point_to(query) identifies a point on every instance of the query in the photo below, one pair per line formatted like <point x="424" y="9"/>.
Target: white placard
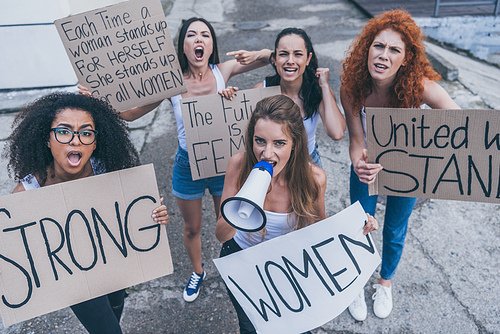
<point x="301" y="280"/>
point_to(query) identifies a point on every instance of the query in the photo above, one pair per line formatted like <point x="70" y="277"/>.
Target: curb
<point x="447" y="70"/>
<point x="13" y="100"/>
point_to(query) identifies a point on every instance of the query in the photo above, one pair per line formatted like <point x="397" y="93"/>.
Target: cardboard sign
<point x="123" y="53"/>
<point x="431" y="153"/>
<point x="215" y="128"/>
<point x="73" y="241"/>
<point x="301" y="280"/>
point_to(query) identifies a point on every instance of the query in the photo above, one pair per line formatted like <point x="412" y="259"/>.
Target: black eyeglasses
<point x="65" y="135"/>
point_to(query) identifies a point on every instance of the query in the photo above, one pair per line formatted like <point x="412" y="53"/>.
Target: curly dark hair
<point x="27" y="148"/>
<point x="407" y="89"/>
<point x="310" y="91"/>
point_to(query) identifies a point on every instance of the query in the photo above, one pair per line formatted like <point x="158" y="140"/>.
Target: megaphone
<point x="244" y="211"/>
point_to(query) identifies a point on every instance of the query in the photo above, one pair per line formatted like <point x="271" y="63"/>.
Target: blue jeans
<point x="184" y="187"/>
<point x="101" y="315"/>
<point x="397" y="213"/>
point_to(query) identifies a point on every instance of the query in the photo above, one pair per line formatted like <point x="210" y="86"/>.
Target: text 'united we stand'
<point x="444" y="154"/>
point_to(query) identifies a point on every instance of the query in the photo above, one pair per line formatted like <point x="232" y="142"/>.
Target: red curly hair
<point x="408" y="85"/>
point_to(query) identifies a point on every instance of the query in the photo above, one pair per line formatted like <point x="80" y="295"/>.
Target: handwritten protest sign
<point x="215" y="128"/>
<point x="123" y="53"/>
<point x="301" y="280"/>
<point x="73" y="241"/>
<point x="430" y="153"/>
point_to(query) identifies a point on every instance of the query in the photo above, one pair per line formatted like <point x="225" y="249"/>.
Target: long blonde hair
<point x="297" y="172"/>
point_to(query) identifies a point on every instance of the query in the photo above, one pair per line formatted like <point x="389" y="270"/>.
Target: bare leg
<point x="217" y="200"/>
<point x="384" y="282"/>
<point x="191" y="213"/>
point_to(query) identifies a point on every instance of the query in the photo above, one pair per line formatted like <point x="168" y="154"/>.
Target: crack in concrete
<point x="481" y="328"/>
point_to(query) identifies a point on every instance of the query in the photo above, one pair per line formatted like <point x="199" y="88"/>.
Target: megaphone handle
<point x="245" y="210"/>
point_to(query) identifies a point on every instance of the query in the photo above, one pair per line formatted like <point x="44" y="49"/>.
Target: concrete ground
<point x="447" y="281"/>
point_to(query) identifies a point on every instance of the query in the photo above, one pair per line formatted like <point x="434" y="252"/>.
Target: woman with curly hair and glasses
<point x="385" y="67"/>
<point x="63" y="137"/>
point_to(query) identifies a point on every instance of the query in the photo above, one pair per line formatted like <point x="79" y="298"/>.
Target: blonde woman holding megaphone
<point x="296" y="195"/>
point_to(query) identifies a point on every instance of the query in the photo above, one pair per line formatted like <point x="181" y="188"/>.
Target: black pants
<point x="101" y="315"/>
<point x="246" y="327"/>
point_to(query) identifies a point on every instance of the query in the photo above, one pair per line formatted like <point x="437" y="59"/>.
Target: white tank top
<point x="277" y="224"/>
<point x="310" y="124"/>
<point x="176" y="105"/>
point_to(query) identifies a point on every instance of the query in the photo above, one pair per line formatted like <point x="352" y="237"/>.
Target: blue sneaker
<point x="193" y="287"/>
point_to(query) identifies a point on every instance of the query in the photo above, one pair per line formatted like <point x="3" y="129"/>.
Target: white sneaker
<point x="358" y="307"/>
<point x="382" y="301"/>
<point x="192" y="289"/>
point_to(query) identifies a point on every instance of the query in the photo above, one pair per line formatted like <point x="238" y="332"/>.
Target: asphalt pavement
<point x="447" y="281"/>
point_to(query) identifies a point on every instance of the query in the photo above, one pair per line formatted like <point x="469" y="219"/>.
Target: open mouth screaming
<point x="74" y="158"/>
<point x="198" y="53"/>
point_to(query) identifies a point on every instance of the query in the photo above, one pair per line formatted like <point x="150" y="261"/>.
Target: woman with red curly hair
<point x="386" y="67"/>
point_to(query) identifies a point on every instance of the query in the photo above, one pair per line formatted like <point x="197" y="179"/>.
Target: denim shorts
<point x="315" y="158"/>
<point x="184" y="187"/>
